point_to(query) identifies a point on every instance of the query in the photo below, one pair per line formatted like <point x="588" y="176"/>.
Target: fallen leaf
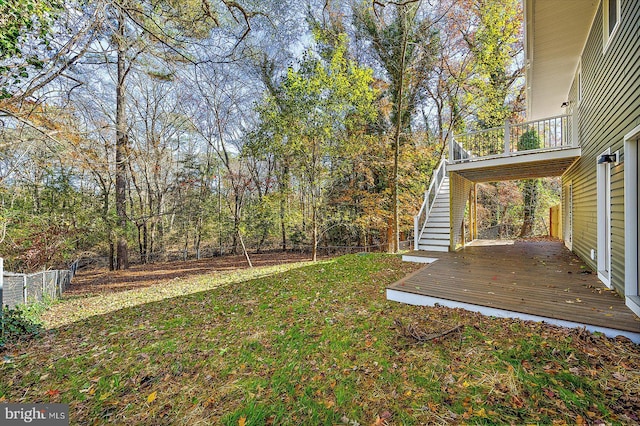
<point x="152" y="397"/>
<point x="242" y="421"/>
<point x="385" y="415"/>
<point x="620" y="377"/>
<point x="378" y="422"/>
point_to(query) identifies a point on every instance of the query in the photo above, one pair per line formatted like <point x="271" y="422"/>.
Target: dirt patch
<point x="96" y="281"/>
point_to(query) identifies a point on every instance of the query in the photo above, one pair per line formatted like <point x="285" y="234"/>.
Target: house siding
<point x="610" y="108"/>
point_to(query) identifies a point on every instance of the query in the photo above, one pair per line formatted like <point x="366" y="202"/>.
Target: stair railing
<point x="420" y="220"/>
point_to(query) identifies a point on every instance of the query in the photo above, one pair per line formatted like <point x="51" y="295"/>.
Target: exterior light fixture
<point x="608" y="158"/>
<point x="564" y="104"/>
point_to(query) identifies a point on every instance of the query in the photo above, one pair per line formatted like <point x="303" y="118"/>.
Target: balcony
<point x="532" y="149"/>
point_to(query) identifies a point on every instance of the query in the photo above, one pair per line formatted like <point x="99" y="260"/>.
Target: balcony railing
<point x="549" y="133"/>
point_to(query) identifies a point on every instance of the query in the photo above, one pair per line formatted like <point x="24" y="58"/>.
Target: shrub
<point x="20" y="323"/>
<point x="529" y="140"/>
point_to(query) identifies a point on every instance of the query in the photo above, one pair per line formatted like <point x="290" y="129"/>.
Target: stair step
<point x="436" y="230"/>
<point x="439" y="210"/>
<point x="437" y="224"/>
<point x="433" y="248"/>
<point x="434" y="241"/>
<point x="435" y="236"/>
<point x="438" y="219"/>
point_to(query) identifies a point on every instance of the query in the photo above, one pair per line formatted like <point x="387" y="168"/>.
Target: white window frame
<point x="607" y="33"/>
<point x="631" y="217"/>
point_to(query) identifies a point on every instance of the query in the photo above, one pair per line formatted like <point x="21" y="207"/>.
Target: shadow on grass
<point x="79" y="308"/>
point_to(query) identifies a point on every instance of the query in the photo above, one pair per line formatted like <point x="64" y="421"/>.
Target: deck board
<point x="540" y="278"/>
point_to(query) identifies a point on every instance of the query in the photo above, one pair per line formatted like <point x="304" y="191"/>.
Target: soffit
<point x="556" y="32"/>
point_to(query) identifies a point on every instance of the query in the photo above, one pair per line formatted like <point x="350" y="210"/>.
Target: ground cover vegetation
<point x="141" y="130"/>
<point x="316" y="344"/>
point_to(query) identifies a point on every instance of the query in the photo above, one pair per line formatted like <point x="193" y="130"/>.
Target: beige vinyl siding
<point x="610" y="108"/>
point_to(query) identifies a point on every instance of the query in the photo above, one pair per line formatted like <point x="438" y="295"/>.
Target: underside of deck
<point x="518" y="165"/>
<point x="531" y="280"/>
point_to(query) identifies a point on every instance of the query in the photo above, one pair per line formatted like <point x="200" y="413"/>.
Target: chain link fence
<point x="23" y="289"/>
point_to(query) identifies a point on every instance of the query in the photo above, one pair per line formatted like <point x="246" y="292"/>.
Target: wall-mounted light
<point x="564" y="104"/>
<point x="608" y="158"/>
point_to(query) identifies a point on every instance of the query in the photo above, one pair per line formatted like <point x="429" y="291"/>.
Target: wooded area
<point x="134" y="127"/>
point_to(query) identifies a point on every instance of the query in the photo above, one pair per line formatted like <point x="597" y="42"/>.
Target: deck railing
<point x="549" y="133"/>
<point x="420" y="220"/>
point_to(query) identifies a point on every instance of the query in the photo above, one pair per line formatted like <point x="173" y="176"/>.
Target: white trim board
<point x="421" y="300"/>
<point x="603" y="215"/>
<point x="631" y="217"/>
<point x="519" y="157"/>
<point x="418" y="259"/>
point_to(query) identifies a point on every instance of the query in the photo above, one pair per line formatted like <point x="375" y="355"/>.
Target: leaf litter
<point x="316" y="344"/>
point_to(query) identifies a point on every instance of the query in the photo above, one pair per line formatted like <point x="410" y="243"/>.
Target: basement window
<point x="611" y="20"/>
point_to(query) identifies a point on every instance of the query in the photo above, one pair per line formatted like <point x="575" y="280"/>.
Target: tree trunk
<point x="112" y="263"/>
<point x="314" y="234"/>
<point x="530" y="199"/>
<point x="394" y="245"/>
<point x="122" y="254"/>
<point x="284" y="183"/>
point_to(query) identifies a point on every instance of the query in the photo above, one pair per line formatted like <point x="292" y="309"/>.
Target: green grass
<point x="315" y="344"/>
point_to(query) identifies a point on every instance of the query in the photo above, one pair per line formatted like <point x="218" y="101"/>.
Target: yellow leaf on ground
<point x="242" y="421"/>
<point x="152" y="397"/>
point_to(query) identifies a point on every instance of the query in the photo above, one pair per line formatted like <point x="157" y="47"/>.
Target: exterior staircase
<point x="431" y="226"/>
<point x="435" y="235"/>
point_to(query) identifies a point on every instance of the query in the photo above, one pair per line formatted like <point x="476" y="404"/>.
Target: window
<point x="611" y="20"/>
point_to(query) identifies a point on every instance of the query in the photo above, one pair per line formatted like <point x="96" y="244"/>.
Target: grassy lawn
<point x="315" y="344"/>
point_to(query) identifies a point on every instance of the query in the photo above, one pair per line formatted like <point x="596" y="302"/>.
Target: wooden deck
<point x="538" y="280"/>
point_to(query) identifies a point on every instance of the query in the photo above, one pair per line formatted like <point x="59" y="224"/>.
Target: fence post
<point x="24" y="289"/>
<point x="1" y="283"/>
<point x="507" y="137"/>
